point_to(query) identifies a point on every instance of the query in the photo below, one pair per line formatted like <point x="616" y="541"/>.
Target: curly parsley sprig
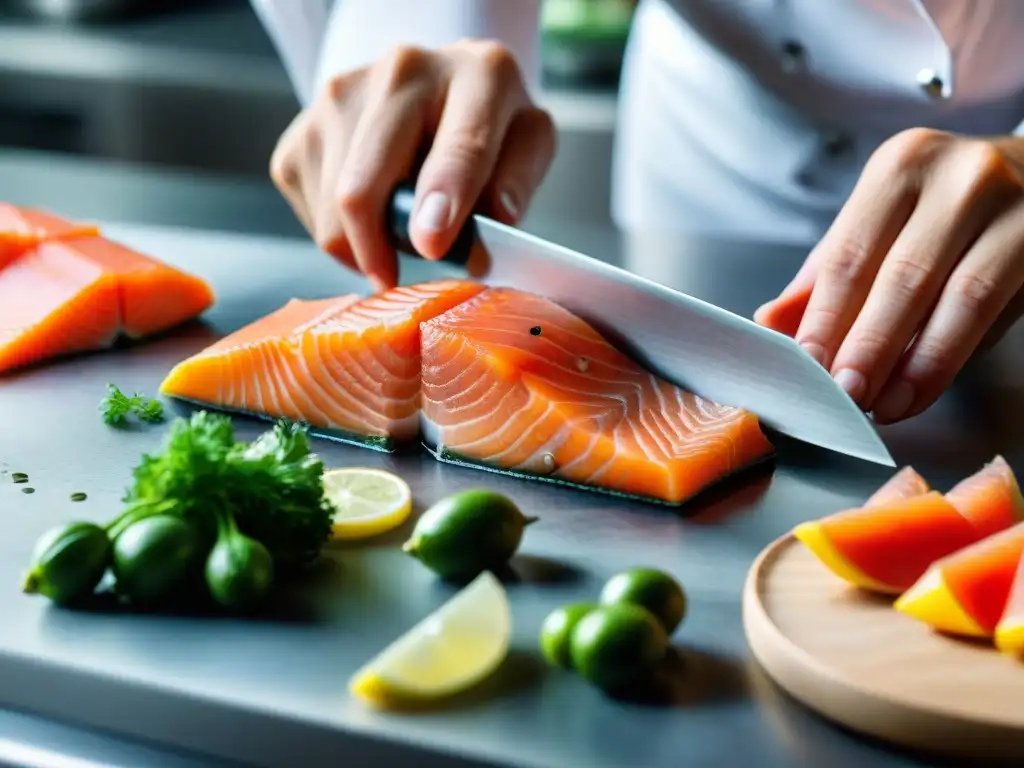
<point x="117" y="407"/>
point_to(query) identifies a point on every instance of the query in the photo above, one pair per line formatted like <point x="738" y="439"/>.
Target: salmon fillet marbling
<point x="514" y="382"/>
<point x="348" y="365"/>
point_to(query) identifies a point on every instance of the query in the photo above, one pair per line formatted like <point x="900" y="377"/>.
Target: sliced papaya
<point x="1010" y="630"/>
<point x="892" y="544"/>
<point x="990" y="498"/>
<point x="966" y="593"/>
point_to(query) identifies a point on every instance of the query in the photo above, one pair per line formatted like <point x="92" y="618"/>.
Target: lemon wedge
<point x="451" y="650"/>
<point x="366" y="501"/>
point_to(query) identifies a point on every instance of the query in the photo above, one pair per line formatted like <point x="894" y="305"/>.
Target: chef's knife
<point x="703" y="348"/>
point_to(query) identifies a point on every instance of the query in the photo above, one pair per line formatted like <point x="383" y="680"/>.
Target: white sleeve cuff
<point x="361" y="31"/>
<point x="296" y="28"/>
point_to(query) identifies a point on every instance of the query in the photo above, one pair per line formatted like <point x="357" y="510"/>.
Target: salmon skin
<point x="348" y="368"/>
<point x="513" y="382"/>
<point x="65" y="289"/>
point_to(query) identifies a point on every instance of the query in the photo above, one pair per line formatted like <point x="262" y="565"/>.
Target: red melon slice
<point x="990" y="498"/>
<point x="886" y="547"/>
<point x="1010" y="630"/>
<point x="966" y="593"/>
<point x="905" y="484"/>
<point x="817" y="535"/>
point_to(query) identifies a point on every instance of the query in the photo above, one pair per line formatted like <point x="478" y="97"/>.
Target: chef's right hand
<point x="487" y="149"/>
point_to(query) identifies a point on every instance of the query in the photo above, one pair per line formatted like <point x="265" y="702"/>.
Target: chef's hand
<point x="924" y="264"/>
<point x="487" y="148"/>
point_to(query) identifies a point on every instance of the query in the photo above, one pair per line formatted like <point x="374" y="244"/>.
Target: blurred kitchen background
<point x="196" y="86"/>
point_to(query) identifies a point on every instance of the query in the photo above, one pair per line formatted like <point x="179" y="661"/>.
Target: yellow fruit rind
<point x="932" y="602"/>
<point x="812" y="535"/>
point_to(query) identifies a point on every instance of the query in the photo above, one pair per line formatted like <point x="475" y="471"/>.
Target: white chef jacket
<point x="748" y="118"/>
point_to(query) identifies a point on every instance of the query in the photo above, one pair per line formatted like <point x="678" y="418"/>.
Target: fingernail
<point x="435" y="212"/>
<point x="853" y="382"/>
<point x="894" y="402"/>
<point x="508" y="202"/>
<point x="814" y="350"/>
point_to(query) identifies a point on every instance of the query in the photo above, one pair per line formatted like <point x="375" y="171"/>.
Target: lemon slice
<point x="366" y="501"/>
<point x="453" y="649"/>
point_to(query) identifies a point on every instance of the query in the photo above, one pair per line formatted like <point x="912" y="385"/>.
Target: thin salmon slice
<point x="514" y="382"/>
<point x="24" y="228"/>
<point x="77" y="295"/>
<point x="348" y="365"/>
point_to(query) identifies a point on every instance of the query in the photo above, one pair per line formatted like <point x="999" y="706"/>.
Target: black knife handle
<point x="399" y="215"/>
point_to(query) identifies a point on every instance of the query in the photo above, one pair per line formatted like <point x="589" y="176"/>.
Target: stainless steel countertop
<point x="192" y="693"/>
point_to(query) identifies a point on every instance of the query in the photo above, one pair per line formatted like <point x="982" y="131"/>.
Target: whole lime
<point x="616" y="646"/>
<point x="68" y="563"/>
<point x="649" y="588"/>
<point x="556" y="632"/>
<point x="155" y="556"/>
<point x="467" y="533"/>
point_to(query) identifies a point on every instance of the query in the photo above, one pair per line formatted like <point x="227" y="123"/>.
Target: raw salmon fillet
<point x="514" y="382"/>
<point x="347" y="365"/>
<point x="71" y="295"/>
<point x="24" y="228"/>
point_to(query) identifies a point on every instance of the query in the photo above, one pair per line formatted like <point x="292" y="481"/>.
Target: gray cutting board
<point x="274" y="692"/>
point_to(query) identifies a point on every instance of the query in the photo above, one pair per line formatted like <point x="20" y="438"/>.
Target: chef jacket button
<point x="793" y="54"/>
<point x="930" y="82"/>
<point x="836" y="144"/>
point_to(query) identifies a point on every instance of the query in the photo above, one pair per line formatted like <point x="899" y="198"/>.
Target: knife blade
<point x="696" y="345"/>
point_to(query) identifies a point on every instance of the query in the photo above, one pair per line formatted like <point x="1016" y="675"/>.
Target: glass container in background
<point x="583" y="41"/>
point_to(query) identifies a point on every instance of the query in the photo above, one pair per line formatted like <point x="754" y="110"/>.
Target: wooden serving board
<point x="853" y="658"/>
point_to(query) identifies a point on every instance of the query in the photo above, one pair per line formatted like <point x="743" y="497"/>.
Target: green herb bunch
<point x="205" y="508"/>
<point x="271" y="487"/>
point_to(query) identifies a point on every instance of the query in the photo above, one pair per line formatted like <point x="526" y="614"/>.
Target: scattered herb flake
<point x="78" y="496"/>
<point x="28" y="490"/>
<point x="19" y="477"/>
<point x="116" y="407"/>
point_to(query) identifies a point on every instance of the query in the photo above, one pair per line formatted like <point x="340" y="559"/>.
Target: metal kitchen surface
<point x="272" y="692"/>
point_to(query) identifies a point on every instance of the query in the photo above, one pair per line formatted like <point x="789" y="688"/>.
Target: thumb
<point x="784" y="313"/>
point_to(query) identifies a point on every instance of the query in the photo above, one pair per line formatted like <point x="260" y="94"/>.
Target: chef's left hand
<point x="924" y="263"/>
